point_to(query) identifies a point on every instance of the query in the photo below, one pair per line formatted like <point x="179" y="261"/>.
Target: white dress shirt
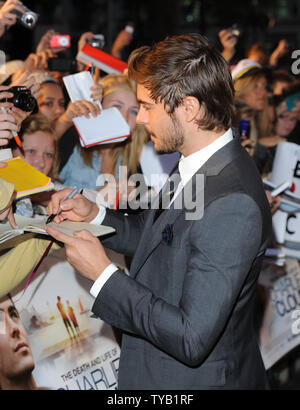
<point x="187" y="167"/>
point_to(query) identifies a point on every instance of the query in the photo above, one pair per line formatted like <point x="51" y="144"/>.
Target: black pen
<point x="74" y="191"/>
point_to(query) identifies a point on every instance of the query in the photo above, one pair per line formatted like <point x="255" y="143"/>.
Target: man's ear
<point x="191" y="108"/>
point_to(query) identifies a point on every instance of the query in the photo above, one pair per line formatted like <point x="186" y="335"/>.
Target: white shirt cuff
<point x="100" y="217"/>
<point x="103" y="278"/>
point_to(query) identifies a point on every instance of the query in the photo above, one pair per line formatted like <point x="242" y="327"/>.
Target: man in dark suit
<point x="186" y="310"/>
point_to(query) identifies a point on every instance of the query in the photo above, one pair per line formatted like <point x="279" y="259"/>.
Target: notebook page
<point x="107" y="127"/>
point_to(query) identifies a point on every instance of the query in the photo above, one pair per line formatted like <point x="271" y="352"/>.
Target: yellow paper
<point x="26" y="179"/>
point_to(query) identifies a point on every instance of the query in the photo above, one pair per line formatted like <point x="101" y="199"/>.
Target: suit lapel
<point x="153" y="237"/>
<point x="211" y="168"/>
<point x="151" y="228"/>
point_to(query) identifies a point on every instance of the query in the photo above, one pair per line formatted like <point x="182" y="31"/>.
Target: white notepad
<point x="107" y="127"/>
<point x="79" y="86"/>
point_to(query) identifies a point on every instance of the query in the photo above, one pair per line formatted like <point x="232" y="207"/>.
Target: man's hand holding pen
<point x="77" y="209"/>
<point x="83" y="251"/>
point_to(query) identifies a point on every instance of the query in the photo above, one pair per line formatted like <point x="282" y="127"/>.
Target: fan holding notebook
<point x="85" y="166"/>
<point x="108" y="127"/>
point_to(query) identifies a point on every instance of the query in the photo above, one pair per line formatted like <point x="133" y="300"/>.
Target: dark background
<point x="266" y="21"/>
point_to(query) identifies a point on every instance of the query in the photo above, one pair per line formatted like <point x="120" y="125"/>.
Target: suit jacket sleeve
<point x="128" y="231"/>
<point x="222" y="247"/>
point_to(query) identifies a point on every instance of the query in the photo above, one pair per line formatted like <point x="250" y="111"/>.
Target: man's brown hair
<point x="186" y="65"/>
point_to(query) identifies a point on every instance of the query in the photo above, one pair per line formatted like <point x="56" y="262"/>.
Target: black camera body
<point x="28" y="19"/>
<point x="22" y="98"/>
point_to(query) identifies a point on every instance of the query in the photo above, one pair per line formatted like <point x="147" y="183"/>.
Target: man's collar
<point x="189" y="165"/>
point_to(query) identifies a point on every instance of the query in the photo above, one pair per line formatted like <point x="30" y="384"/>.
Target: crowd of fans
<point x="50" y="141"/>
<point x="261" y="88"/>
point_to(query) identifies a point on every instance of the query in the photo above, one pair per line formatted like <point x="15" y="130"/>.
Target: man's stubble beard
<point x="173" y="139"/>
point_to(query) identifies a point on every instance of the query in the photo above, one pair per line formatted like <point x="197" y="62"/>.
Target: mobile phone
<point x="97" y="41"/>
<point x="60" y="41"/>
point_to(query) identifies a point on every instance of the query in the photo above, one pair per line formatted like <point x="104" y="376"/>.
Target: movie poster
<point x="72" y="350"/>
<point x="280" y="292"/>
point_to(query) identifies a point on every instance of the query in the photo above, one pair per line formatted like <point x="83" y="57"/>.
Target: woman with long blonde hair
<point x="251" y="103"/>
<point x="86" y="164"/>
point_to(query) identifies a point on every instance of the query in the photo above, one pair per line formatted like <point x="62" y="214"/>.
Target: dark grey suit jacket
<point x="187" y="308"/>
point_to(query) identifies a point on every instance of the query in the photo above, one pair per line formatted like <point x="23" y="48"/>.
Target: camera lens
<point x="97" y="41"/>
<point x="29" y="20"/>
<point x="95" y="44"/>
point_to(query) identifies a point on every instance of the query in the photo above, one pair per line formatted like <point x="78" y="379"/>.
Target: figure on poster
<point x="80" y="305"/>
<point x="72" y="316"/>
<point x="64" y="316"/>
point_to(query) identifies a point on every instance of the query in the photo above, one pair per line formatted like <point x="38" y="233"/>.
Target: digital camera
<point x="28" y="18"/>
<point x="22" y="98"/>
<point x="60" y="41"/>
<point x="97" y="41"/>
<point x="235" y="30"/>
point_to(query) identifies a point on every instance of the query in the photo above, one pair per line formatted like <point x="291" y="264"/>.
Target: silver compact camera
<point x="97" y="41"/>
<point x="235" y="30"/>
<point x="28" y="19"/>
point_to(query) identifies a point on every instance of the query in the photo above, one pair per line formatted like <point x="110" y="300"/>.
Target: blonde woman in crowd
<point x="52" y="104"/>
<point x="251" y="102"/>
<point x="85" y="165"/>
